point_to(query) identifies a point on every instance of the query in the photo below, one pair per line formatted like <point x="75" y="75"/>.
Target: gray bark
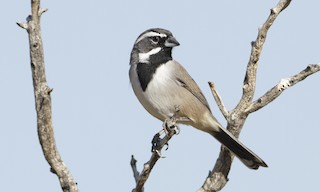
<point x="43" y="100"/>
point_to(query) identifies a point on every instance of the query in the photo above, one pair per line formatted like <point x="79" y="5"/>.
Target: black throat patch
<point x="146" y="71"/>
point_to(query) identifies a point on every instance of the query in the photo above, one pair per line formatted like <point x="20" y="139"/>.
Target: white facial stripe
<point x="144" y="57"/>
<point x="150" y="34"/>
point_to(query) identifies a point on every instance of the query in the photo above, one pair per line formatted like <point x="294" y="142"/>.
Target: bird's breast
<point x="158" y="94"/>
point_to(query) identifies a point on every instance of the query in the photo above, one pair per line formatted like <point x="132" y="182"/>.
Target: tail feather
<point x="249" y="158"/>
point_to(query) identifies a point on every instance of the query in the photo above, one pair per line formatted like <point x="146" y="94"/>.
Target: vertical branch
<point x="43" y="100"/>
<point x="249" y="82"/>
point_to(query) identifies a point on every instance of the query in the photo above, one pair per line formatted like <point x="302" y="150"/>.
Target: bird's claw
<point x="170" y="127"/>
<point x="155" y="142"/>
<point x="167" y="146"/>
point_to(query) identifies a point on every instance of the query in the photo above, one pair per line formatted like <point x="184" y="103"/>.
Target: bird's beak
<point x="171" y="42"/>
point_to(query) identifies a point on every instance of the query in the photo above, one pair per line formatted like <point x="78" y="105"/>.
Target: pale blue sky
<point x="99" y="122"/>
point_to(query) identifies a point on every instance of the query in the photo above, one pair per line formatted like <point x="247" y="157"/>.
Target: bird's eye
<point x="155" y="39"/>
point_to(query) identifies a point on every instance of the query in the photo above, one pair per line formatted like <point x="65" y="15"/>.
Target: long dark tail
<point x="249" y="158"/>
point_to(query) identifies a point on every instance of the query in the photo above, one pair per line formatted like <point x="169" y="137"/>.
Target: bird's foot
<point x="170" y="127"/>
<point x="155" y="143"/>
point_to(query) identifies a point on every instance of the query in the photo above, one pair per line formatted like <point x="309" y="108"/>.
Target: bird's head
<point x="153" y="43"/>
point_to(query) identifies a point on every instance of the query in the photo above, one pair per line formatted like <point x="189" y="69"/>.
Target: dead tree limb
<point x="218" y="177"/>
<point x="43" y="99"/>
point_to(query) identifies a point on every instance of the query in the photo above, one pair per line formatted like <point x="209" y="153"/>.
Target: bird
<point x="166" y="90"/>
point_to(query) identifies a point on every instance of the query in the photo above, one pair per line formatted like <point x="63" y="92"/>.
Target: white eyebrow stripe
<point x="144" y="57"/>
<point x="151" y="34"/>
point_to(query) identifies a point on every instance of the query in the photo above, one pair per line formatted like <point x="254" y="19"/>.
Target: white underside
<point x="155" y="98"/>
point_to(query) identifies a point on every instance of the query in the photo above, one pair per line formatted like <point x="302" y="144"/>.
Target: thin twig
<point x="274" y="92"/>
<point x="135" y="171"/>
<point x="218" y="100"/>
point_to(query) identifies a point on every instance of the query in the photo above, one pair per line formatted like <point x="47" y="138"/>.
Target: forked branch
<point x="236" y="118"/>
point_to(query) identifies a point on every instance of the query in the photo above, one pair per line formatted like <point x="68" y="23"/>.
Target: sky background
<point x="99" y="123"/>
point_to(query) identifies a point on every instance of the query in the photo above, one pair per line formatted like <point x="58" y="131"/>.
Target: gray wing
<point x="186" y="81"/>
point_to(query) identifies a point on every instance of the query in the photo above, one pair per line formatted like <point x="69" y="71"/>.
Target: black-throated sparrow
<point x="166" y="90"/>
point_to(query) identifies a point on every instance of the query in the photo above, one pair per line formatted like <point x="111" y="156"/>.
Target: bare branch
<point x="212" y="184"/>
<point x="135" y="171"/>
<point x="147" y="168"/>
<point x="170" y="128"/>
<point x="218" y="100"/>
<point x="249" y="82"/>
<point x="238" y="115"/>
<point x="274" y="92"/>
<point x="43" y="100"/>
